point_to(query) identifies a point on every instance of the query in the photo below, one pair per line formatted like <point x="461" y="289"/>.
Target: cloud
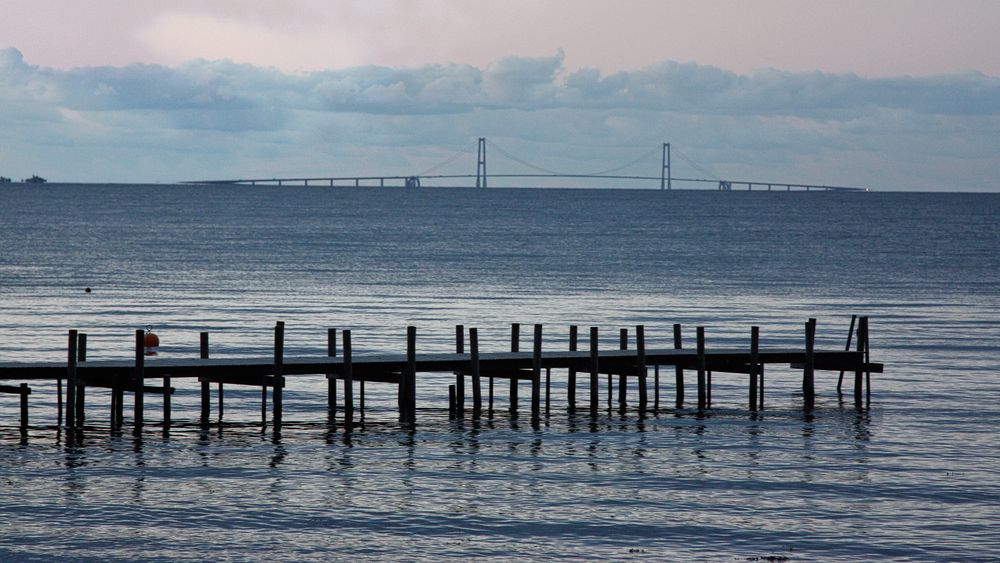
<point x="212" y="107"/>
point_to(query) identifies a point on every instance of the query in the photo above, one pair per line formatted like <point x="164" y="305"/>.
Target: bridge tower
<point x="481" y="164"/>
<point x="665" y="175"/>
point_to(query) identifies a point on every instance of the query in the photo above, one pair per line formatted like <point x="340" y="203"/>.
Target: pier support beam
<point x="477" y="391"/>
<point x="622" y="377"/>
<point x="139" y="380"/>
<point x="536" y="374"/>
<point x="808" y="371"/>
<point x="640" y="366"/>
<point x="331" y="378"/>
<point x="71" y="381"/>
<point x="459" y="374"/>
<point x="571" y="374"/>
<point x="702" y="395"/>
<point x="515" y="346"/>
<point x="594" y="367"/>
<point x="279" y="361"/>
<point x="754" y="365"/>
<point x="678" y="370"/>
<point x="206" y="402"/>
<point x="349" y="380"/>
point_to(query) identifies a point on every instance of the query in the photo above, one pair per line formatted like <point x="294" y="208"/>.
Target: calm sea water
<point x="914" y="475"/>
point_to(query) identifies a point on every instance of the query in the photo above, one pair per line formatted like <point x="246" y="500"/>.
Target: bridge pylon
<point x="481" y="164"/>
<point x="665" y="175"/>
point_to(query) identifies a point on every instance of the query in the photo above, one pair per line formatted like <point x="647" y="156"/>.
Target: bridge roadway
<point x="360" y="181"/>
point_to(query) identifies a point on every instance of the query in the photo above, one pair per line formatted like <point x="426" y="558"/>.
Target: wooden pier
<point x="635" y="369"/>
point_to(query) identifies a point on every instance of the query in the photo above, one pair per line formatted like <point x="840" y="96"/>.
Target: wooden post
<point x="868" y="371"/>
<point x="571" y="376"/>
<point x="411" y="374"/>
<point x="754" y="360"/>
<point x="515" y="346"/>
<point x="640" y="366"/>
<point x="761" y="375"/>
<point x="622" y="378"/>
<point x="656" y="387"/>
<point x="205" y="398"/>
<point x="459" y="375"/>
<point x="477" y="391"/>
<point x="139" y="380"/>
<point x="451" y="401"/>
<point x="166" y="402"/>
<point x="279" y="371"/>
<point x="348" y="378"/>
<point x="594" y="367"/>
<point x="536" y="374"/>
<point x="678" y="370"/>
<point x="702" y="397"/>
<point x="847" y="348"/>
<point x="708" y="387"/>
<point x="71" y="359"/>
<point x="331" y="378"/>
<point x="24" y="392"/>
<point x="808" y="372"/>
<point x="81" y="389"/>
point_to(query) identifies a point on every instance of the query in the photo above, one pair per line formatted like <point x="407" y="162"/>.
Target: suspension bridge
<point x="665" y="179"/>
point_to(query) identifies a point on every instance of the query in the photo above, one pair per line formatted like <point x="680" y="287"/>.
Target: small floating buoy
<point x="87" y="290"/>
<point x="151" y="341"/>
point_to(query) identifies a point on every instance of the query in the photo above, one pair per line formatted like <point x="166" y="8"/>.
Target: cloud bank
<point x="211" y="119"/>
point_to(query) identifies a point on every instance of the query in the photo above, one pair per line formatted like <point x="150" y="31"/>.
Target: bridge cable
<point x="556" y="173"/>
<point x="446" y="162"/>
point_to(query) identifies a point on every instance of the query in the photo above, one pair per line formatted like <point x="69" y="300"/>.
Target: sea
<point x="912" y="475"/>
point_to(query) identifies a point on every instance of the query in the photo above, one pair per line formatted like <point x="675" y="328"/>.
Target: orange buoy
<point x="151" y="341"/>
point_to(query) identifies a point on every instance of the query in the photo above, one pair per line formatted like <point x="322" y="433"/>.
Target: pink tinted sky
<point x="867" y="37"/>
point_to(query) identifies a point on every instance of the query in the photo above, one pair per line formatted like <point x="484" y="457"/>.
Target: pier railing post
<point x="81" y="388"/>
<point x="411" y="374"/>
<point x="477" y="391"/>
<point x="702" y="397"/>
<point x="640" y="366"/>
<point x="847" y="348"/>
<point x="515" y="346"/>
<point x="349" y="379"/>
<point x="754" y="362"/>
<point x="71" y="381"/>
<point x="139" y="379"/>
<point x="279" y="370"/>
<point x="205" y="397"/>
<point x="571" y="375"/>
<point x="678" y="370"/>
<point x="623" y="376"/>
<point x="594" y="368"/>
<point x="536" y="374"/>
<point x="331" y="378"/>
<point x="459" y="375"/>
<point x="808" y="372"/>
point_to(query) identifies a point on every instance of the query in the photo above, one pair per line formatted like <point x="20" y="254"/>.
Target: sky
<point x="885" y="94"/>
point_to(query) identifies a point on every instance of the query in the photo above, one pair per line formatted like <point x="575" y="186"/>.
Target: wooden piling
<point x="81" y="393"/>
<point x="279" y="370"/>
<point x="459" y="375"/>
<point x="536" y="374"/>
<point x="754" y="362"/>
<point x="808" y="371"/>
<point x="571" y="374"/>
<point x="594" y="367"/>
<point x="205" y="398"/>
<point x="24" y="392"/>
<point x="71" y="381"/>
<point x="411" y="374"/>
<point x="167" y="392"/>
<point x="139" y="380"/>
<point x="349" y="378"/>
<point x="477" y="392"/>
<point x="678" y="371"/>
<point x="451" y="401"/>
<point x="702" y="397"/>
<point x="331" y="379"/>
<point x="640" y="366"/>
<point x="515" y="346"/>
<point x="622" y="377"/>
<point x="847" y="348"/>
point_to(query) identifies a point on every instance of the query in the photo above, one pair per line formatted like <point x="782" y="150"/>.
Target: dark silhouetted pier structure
<point x="665" y="179"/>
<point x="583" y="361"/>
